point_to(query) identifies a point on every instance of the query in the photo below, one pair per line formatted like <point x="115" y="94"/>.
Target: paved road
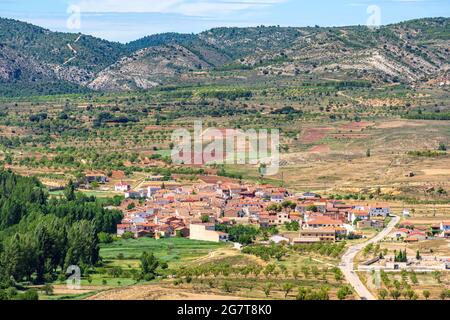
<point x="347" y="265"/>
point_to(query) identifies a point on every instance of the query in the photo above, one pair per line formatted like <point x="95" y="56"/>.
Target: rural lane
<point x="347" y="265"/>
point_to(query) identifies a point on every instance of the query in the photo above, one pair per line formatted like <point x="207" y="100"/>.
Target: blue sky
<point x="125" y="20"/>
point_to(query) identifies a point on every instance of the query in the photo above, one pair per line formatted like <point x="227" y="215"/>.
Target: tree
<point x="305" y="271"/>
<point x="315" y="271"/>
<point x="303" y="294"/>
<point x="262" y="170"/>
<point x="382" y="293"/>
<point x="274" y="207"/>
<point x="83" y="248"/>
<point x="395" y="294"/>
<point x="442" y="147"/>
<point x="322" y="294"/>
<point x="48" y="289"/>
<point x="267" y="288"/>
<point x="338" y="274"/>
<point x="226" y="287"/>
<point x="31" y="294"/>
<point x="287" y="288"/>
<point x="368" y="153"/>
<point x="104" y="237"/>
<point x="312" y="208"/>
<point x="437" y="276"/>
<point x="401" y="256"/>
<point x="426" y="294"/>
<point x="128" y="235"/>
<point x="149" y="264"/>
<point x="8" y="159"/>
<point x="409" y="294"/>
<point x="343" y="292"/>
<point x="53" y="234"/>
<point x="69" y="191"/>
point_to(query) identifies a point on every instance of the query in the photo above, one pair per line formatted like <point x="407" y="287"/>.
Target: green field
<point x="174" y="251"/>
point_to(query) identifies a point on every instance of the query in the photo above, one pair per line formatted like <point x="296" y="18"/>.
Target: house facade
<point x="206" y="232"/>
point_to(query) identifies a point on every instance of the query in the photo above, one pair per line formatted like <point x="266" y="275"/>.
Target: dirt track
<point x="156" y="292"/>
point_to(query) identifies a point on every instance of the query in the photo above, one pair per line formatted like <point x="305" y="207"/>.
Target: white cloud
<point x="183" y="7"/>
<point x="130" y="6"/>
<point x="206" y="8"/>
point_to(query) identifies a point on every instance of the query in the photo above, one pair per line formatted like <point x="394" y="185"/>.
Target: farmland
<point x="192" y="263"/>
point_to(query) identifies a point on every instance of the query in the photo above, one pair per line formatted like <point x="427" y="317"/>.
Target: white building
<point x="379" y="211"/>
<point x="135" y="194"/>
<point x="122" y="187"/>
<point x="206" y="232"/>
<point x="277" y="239"/>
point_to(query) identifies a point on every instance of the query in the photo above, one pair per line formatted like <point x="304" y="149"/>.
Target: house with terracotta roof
<point x="311" y="235"/>
<point x="419" y="236"/>
<point x="322" y="221"/>
<point x="359" y="215"/>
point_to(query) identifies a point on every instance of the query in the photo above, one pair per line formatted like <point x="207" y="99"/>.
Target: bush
<point x="48" y="289"/>
<point x="31" y="294"/>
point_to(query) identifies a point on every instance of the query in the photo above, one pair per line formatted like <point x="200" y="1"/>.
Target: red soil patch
<point x="350" y="136"/>
<point x="323" y="148"/>
<point x="357" y="126"/>
<point x="118" y="174"/>
<point x="314" y="134"/>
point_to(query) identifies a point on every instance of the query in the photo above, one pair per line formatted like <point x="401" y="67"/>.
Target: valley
<point x="88" y="177"/>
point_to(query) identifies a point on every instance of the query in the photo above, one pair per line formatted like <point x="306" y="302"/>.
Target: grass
<point x="97" y="194"/>
<point x="174" y="251"/>
<point x="80" y="296"/>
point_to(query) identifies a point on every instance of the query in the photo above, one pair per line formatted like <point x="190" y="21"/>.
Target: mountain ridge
<point x="34" y="57"/>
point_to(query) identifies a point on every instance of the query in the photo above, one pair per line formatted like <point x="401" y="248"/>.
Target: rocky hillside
<point x="34" y="60"/>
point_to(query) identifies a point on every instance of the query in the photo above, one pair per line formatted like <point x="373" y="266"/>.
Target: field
<point x="176" y="252"/>
<point x="403" y="282"/>
<point x="329" y="142"/>
<point x="125" y="255"/>
<point x="311" y="271"/>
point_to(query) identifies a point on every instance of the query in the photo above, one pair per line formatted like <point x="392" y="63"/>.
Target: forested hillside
<point x="41" y="237"/>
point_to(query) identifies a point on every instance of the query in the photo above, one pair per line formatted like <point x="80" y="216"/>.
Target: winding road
<point x="347" y="265"/>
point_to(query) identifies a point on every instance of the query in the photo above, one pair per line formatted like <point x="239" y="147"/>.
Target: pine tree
<point x="69" y="191"/>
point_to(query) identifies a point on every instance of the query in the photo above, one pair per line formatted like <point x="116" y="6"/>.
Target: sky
<point x="127" y="20"/>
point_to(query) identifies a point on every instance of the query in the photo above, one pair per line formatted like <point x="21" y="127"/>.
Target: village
<point x="192" y="211"/>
